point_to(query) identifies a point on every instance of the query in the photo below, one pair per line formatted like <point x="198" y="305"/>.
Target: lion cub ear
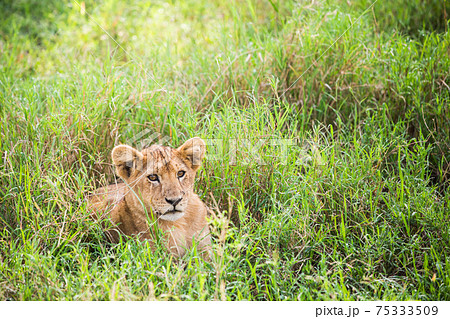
<point x="126" y="160"/>
<point x="193" y="150"/>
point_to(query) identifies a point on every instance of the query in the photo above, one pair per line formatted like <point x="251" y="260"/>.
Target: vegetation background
<point x="358" y="209"/>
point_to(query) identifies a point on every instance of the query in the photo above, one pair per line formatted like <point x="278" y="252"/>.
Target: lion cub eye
<point x="153" y="177"/>
<point x="180" y="174"/>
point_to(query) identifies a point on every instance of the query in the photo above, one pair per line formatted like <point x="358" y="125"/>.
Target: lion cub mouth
<point x="172" y="215"/>
<point x="173" y="211"/>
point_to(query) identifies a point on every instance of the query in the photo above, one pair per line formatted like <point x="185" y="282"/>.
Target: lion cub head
<point x="160" y="178"/>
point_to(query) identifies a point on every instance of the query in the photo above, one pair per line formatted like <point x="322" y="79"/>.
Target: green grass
<point x="358" y="209"/>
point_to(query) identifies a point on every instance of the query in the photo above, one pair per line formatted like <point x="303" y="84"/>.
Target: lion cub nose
<point x="173" y="201"/>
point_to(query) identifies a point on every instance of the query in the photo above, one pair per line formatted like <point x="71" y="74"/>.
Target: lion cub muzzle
<point x="175" y="212"/>
<point x="174" y="201"/>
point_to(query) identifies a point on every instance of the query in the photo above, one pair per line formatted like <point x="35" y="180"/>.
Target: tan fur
<point x="136" y="202"/>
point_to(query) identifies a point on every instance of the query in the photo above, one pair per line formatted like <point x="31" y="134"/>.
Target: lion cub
<point x="158" y="186"/>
